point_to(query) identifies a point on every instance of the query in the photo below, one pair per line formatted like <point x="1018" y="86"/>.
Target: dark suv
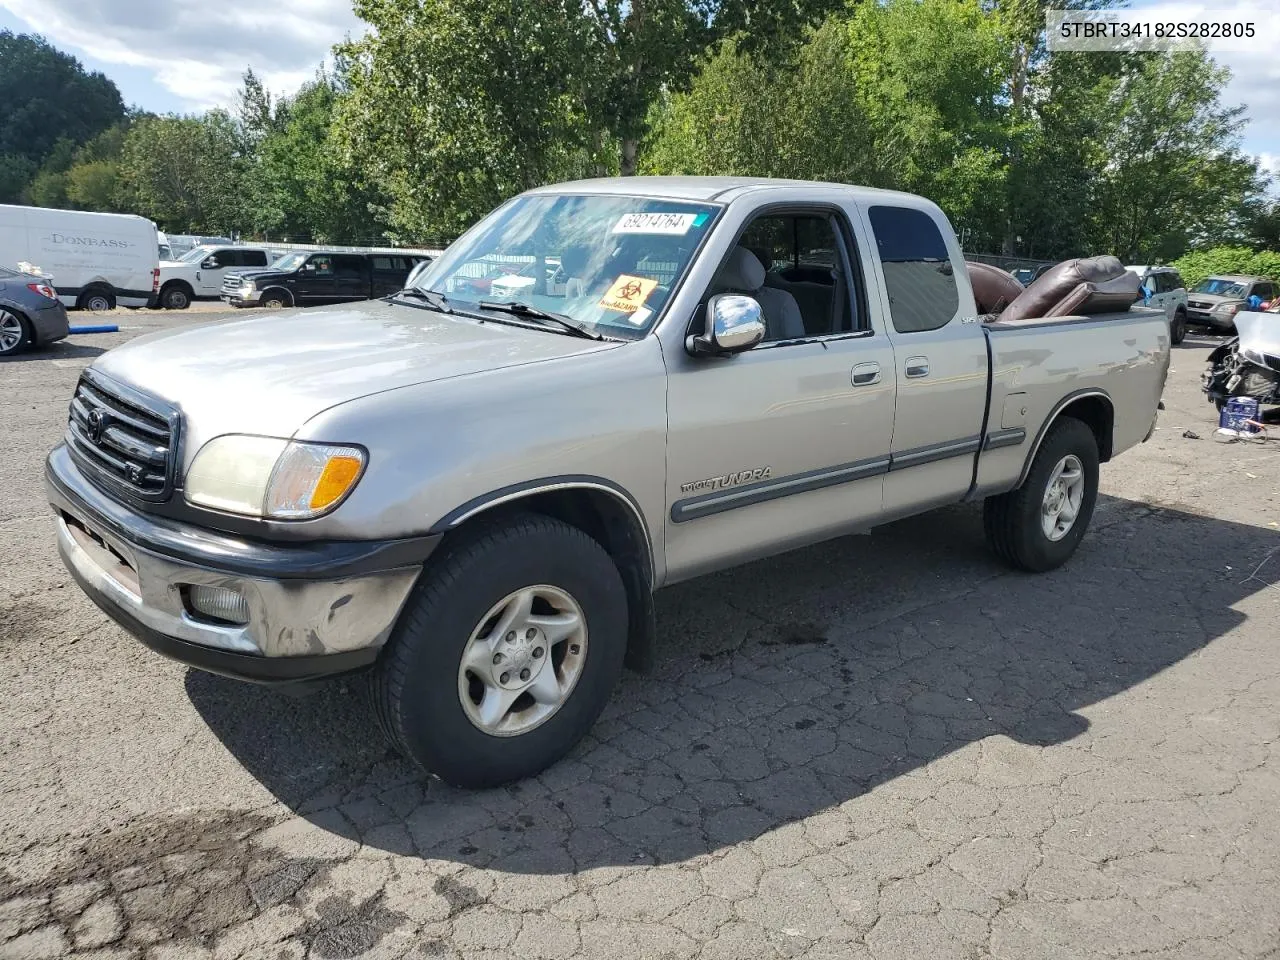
<point x="305" y="278"/>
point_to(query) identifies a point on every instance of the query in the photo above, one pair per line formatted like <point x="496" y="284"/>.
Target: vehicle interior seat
<point x="993" y="288"/>
<point x="744" y="273"/>
<point x="573" y="265"/>
<point x="812" y="297"/>
<point x="1075" y="288"/>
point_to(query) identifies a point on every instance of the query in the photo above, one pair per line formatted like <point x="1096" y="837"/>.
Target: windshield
<point x="608" y="263"/>
<point x="195" y="254"/>
<point x="1218" y="287"/>
<point x="290" y="261"/>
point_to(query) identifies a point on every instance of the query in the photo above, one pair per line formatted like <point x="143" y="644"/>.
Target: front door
<point x="209" y="275"/>
<point x="788" y="442"/>
<point x="315" y="279"/>
<point x="940" y="355"/>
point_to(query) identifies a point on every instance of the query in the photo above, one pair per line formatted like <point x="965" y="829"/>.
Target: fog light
<point x="219" y="603"/>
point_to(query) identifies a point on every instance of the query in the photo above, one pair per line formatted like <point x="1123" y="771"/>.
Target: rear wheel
<point x="506" y="652"/>
<point x="97" y="299"/>
<point x="15" y="334"/>
<point x="1038" y="526"/>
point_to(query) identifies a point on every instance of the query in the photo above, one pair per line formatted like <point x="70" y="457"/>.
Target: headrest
<point x="742" y="271"/>
<point x="573" y="260"/>
<point x="764" y="256"/>
<point x="993" y="288"/>
<point x="1086" y="286"/>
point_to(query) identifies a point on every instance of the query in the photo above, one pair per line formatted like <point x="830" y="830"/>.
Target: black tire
<point x="1012" y="521"/>
<point x="175" y="296"/>
<point x="13" y="325"/>
<point x="1178" y="329"/>
<point x="415" y="687"/>
<point x="276" y="299"/>
<point x="96" y="299"/>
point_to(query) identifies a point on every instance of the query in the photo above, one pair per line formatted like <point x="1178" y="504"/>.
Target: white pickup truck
<point x="198" y="273"/>
<point x="471" y="496"/>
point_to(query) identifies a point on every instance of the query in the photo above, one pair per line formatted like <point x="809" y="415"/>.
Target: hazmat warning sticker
<point x="667" y="224"/>
<point x="628" y="293"/>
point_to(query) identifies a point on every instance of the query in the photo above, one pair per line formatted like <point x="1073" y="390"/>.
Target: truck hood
<point x="269" y="374"/>
<point x="1259" y="332"/>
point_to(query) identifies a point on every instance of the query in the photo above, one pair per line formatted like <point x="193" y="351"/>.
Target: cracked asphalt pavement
<point x="887" y="746"/>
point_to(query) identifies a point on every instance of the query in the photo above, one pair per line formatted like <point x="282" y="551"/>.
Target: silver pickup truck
<point x="469" y="491"/>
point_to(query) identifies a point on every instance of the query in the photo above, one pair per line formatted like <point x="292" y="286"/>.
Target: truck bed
<point x="1039" y="365"/>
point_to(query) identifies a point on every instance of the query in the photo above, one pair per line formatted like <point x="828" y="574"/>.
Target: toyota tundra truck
<point x="470" y="498"/>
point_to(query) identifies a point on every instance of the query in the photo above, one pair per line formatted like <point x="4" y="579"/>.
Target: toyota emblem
<point x="96" y="423"/>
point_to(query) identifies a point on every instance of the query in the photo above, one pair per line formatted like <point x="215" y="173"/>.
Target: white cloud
<point x="198" y="49"/>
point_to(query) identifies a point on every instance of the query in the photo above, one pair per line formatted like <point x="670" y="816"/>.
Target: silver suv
<point x="1215" y="301"/>
<point x="1163" y="288"/>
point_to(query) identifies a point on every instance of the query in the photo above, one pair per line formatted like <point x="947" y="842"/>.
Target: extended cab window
<point x="251" y="258"/>
<point x="918" y="274"/>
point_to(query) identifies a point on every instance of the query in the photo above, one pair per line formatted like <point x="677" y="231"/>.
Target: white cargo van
<point x="97" y="260"/>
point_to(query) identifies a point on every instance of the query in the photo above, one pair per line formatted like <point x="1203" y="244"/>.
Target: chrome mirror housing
<point x="734" y="323"/>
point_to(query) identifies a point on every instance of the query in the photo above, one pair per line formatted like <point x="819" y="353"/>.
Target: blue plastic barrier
<point x="104" y="328"/>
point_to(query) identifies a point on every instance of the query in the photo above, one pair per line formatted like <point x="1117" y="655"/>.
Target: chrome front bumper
<point x="300" y="625"/>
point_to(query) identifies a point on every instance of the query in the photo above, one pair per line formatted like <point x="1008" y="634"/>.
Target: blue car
<point x="30" y="313"/>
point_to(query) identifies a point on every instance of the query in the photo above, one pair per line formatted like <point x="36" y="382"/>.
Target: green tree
<point x="186" y="173"/>
<point x="454" y="105"/>
<point x="905" y="94"/>
<point x="94" y="185"/>
<point x="48" y="96"/>
<point x="303" y="186"/>
<point x="1173" y="170"/>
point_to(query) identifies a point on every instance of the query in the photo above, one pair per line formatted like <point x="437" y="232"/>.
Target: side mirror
<point x="734" y="323"/>
<point x="210" y="263"/>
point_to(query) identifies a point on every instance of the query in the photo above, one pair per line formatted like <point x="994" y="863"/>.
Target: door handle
<point x="917" y="367"/>
<point x="865" y="374"/>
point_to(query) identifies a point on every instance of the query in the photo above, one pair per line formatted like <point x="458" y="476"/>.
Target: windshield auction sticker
<point x="665" y="224"/>
<point x="628" y="293"/>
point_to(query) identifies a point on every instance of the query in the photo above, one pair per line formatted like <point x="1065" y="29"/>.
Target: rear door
<point x="388" y="273"/>
<point x="940" y="355"/>
<point x="351" y="277"/>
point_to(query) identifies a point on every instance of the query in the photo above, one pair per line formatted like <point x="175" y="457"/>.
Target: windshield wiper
<point x="519" y="309"/>
<point x="437" y="300"/>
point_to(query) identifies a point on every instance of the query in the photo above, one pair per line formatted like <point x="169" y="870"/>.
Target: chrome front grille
<point x="123" y="439"/>
<point x="231" y="283"/>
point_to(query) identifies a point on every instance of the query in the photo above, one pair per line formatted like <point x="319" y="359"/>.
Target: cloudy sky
<point x="186" y="55"/>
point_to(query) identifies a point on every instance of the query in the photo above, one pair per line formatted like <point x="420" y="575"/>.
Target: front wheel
<point x="14" y="333"/>
<point x="1178" y="330"/>
<point x="175" y="297"/>
<point x="506" y="652"/>
<point x="1038" y="526"/>
<point x="275" y="299"/>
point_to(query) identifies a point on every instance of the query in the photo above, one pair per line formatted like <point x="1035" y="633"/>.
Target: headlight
<point x="273" y="478"/>
<point x="1230" y="309"/>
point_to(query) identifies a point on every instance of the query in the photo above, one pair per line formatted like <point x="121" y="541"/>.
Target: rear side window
<point x="918" y="274"/>
<point x="348" y="268"/>
<point x="253" y="258"/>
<point x="389" y="264"/>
